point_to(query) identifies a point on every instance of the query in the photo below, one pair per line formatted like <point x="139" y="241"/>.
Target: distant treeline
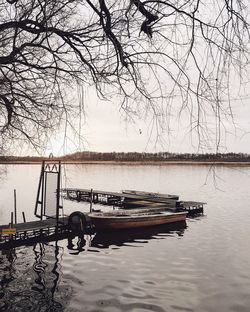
<point x="161" y="156"/>
<point x="139" y="157"/>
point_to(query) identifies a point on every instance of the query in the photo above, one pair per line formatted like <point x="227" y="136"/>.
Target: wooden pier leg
<point x="15" y="211"/>
<point x="91" y="200"/>
<point x="24" y="219"/>
<point x="11" y="220"/>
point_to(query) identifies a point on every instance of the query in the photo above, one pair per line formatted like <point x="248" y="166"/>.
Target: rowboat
<point x="120" y="220"/>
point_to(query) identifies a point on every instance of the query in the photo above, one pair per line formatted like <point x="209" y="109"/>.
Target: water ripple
<point x="201" y="267"/>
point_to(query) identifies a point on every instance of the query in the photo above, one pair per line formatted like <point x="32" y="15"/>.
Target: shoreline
<point x="135" y="163"/>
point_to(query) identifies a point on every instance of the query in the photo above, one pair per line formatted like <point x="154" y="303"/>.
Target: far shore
<point x="135" y="163"/>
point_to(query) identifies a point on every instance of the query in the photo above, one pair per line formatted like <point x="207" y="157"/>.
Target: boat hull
<point x="118" y="222"/>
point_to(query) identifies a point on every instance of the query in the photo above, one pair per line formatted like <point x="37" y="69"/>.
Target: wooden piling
<point x="11" y="219"/>
<point x="91" y="200"/>
<point x="15" y="208"/>
<point x="24" y="219"/>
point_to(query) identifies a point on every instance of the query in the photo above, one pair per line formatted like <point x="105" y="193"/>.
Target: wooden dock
<point x="150" y="194"/>
<point x="114" y="198"/>
<point x="49" y="227"/>
<point x="27" y="231"/>
<point x="134" y="199"/>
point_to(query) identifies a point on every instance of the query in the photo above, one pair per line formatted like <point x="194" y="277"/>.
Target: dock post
<point x="91" y="200"/>
<point x="11" y="219"/>
<point x="58" y="195"/>
<point x="24" y="219"/>
<point x="15" y="211"/>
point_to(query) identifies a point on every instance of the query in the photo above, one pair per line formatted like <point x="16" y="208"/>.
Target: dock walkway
<point x="129" y="199"/>
<point x="34" y="229"/>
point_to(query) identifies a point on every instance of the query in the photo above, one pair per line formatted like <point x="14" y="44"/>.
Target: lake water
<point x="204" y="266"/>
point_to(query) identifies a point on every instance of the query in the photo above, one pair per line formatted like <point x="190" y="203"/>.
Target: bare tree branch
<point x="178" y="56"/>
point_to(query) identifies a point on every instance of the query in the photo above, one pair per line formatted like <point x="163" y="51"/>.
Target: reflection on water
<point x="142" y="236"/>
<point x="138" y="236"/>
<point x="201" y="268"/>
<point x="78" y="244"/>
<point x="31" y="277"/>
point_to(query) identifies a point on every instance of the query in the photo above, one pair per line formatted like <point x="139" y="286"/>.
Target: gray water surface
<point x="204" y="266"/>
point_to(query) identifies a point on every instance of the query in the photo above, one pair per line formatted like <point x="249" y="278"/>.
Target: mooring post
<point x="24" y="219"/>
<point x="15" y="211"/>
<point x="91" y="200"/>
<point x="11" y="220"/>
<point x="58" y="194"/>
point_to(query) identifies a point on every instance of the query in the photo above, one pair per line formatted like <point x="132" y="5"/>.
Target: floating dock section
<point x="129" y="199"/>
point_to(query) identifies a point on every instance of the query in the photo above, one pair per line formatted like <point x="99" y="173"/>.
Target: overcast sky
<point x="105" y="130"/>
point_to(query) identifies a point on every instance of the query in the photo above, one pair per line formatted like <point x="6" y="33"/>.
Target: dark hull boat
<point x="119" y="221"/>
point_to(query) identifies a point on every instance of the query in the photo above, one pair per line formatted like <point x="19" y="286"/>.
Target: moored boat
<point x="118" y="221"/>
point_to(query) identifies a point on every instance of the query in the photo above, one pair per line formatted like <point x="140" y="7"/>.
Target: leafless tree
<point x="157" y="57"/>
